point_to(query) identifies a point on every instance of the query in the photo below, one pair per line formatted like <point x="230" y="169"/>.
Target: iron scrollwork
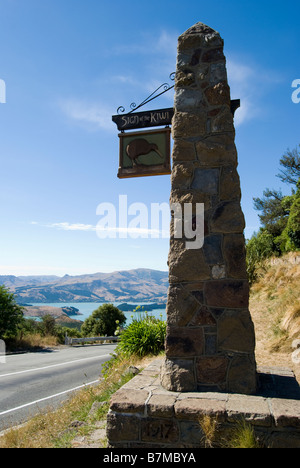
<point x="158" y="92"/>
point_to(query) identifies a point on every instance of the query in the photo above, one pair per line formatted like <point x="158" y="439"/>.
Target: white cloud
<point x="249" y="83"/>
<point x="71" y="227"/>
<point x="67" y="226"/>
<point x="84" y="112"/>
<point x="130" y="231"/>
<point x="242" y="81"/>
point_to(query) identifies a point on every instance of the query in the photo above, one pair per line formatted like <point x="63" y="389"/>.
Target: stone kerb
<point x="210" y="335"/>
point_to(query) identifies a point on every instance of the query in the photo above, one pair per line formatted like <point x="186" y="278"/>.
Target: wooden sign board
<point x="144" y="153"/>
<point x="153" y="118"/>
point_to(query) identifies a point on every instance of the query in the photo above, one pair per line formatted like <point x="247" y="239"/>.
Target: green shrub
<point x="258" y="248"/>
<point x="144" y="336"/>
<point x="243" y="437"/>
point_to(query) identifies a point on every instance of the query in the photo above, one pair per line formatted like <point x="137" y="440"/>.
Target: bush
<point x="102" y="322"/>
<point x="258" y="248"/>
<point x="145" y="335"/>
<point x="11" y="314"/>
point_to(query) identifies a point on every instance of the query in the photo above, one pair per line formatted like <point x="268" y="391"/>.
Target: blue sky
<point x="69" y="64"/>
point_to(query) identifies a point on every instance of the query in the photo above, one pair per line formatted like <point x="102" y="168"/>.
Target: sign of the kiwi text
<point x="153" y="118"/>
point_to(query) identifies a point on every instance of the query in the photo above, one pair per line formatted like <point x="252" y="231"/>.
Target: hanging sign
<point x="144" y="153"/>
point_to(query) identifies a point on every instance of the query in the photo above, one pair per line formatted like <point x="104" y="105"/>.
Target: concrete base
<point x="144" y="414"/>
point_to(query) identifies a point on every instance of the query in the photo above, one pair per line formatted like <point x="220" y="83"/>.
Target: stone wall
<point x="144" y="415"/>
<point x="210" y="335"/>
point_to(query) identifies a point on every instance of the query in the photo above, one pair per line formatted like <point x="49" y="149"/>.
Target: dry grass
<point x="34" y="341"/>
<point x="241" y="436"/>
<point x="209" y="427"/>
<point x="275" y="309"/>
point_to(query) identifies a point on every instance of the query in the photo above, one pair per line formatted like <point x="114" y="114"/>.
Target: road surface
<point x="32" y="382"/>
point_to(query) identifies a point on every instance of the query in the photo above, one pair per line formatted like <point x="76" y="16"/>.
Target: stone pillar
<point x="210" y="335"/>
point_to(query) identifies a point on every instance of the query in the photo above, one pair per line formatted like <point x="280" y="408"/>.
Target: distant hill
<point x="140" y="285"/>
<point x="11" y="281"/>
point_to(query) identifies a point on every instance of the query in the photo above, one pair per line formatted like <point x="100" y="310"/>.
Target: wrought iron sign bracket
<point x="154" y="118"/>
<point x="162" y="89"/>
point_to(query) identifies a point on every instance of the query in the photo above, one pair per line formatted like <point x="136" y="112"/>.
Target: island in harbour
<point x="125" y="307"/>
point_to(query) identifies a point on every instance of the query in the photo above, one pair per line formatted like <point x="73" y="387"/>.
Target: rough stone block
<point x="228" y="218"/>
<point x="161" y="405"/>
<point x="202" y="317"/>
<point x="184" y="151"/>
<point x="197" y="407"/>
<point x="219" y="94"/>
<point x="254" y="410"/>
<point x="242" y="377"/>
<point x="218" y="73"/>
<point x="212" y="249"/>
<point x="213" y="55"/>
<point x="122" y="427"/>
<point x="160" y="430"/>
<point x="230" y="188"/>
<point x="182" y="175"/>
<point x="191" y="434"/>
<point x="286" y="412"/>
<point x="182" y="306"/>
<point x="178" y="375"/>
<point x="227" y="293"/>
<point x="235" y="255"/>
<point x="236" y="331"/>
<point x="216" y="151"/>
<point x="188" y="100"/>
<point x="211" y="369"/>
<point x="223" y="122"/>
<point x="187" y="265"/>
<point x="206" y="181"/>
<point x="124" y="402"/>
<point x="185" y="123"/>
<point x="184" y="341"/>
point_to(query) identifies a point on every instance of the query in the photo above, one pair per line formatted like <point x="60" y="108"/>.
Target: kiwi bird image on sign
<point x="140" y="147"/>
<point x="144" y="153"/>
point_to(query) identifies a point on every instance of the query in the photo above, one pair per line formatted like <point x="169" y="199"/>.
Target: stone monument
<point x="210" y="335"/>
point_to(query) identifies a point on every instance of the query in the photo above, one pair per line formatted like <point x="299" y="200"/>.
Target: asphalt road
<point x="32" y="382"/>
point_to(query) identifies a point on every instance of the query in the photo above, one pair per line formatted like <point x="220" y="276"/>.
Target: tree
<point x="11" y="314"/>
<point x="102" y="322"/>
<point x="279" y="216"/>
<point x="274" y="209"/>
<point x="290" y="237"/>
<point x="291" y="167"/>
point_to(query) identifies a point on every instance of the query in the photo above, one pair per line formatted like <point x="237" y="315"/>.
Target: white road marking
<point x="47" y="398"/>
<point x="55" y="365"/>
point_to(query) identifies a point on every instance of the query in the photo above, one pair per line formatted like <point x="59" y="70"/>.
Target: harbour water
<point x="87" y="308"/>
